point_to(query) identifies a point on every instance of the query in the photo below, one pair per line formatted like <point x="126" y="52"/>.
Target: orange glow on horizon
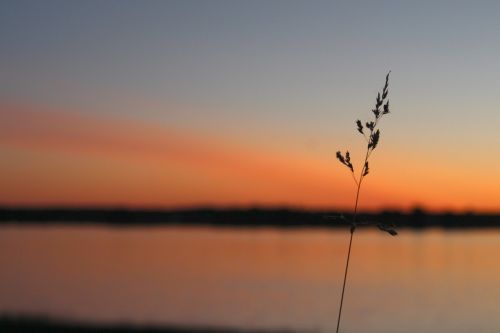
<point x="137" y="164"/>
<point x="56" y="157"/>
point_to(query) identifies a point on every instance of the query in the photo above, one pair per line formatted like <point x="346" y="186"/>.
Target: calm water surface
<point x="432" y="281"/>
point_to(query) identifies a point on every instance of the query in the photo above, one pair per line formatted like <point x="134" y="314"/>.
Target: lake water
<point x="431" y="281"/>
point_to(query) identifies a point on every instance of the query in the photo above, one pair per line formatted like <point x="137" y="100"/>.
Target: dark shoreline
<point x="13" y="324"/>
<point x="257" y="217"/>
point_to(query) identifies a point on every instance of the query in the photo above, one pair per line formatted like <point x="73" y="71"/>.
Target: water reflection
<point x="418" y="282"/>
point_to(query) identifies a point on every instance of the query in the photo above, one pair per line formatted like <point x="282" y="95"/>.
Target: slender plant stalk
<point x="348" y="256"/>
<point x="353" y="228"/>
<point x="372" y="139"/>
<point x="345" y="279"/>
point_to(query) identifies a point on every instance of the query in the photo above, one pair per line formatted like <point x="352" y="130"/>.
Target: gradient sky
<point x="186" y="103"/>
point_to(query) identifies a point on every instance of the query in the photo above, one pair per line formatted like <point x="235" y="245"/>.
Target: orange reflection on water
<point x="264" y="278"/>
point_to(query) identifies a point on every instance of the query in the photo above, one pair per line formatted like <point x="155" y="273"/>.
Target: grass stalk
<point x="371" y="136"/>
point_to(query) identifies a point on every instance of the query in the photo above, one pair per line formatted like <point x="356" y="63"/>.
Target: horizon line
<point x="290" y="208"/>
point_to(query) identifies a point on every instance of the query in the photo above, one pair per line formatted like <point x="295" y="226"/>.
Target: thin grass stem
<point x="372" y="138"/>
<point x="353" y="228"/>
<point x="345" y="279"/>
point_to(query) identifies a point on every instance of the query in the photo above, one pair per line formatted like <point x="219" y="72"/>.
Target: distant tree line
<point x="255" y="217"/>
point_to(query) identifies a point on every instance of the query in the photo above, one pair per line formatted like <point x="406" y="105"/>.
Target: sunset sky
<point x="244" y="103"/>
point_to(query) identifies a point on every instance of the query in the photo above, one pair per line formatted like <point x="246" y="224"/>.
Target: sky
<point x="244" y="103"/>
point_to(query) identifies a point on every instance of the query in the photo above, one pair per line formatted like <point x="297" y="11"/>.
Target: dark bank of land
<point x="35" y="325"/>
<point x="287" y="218"/>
